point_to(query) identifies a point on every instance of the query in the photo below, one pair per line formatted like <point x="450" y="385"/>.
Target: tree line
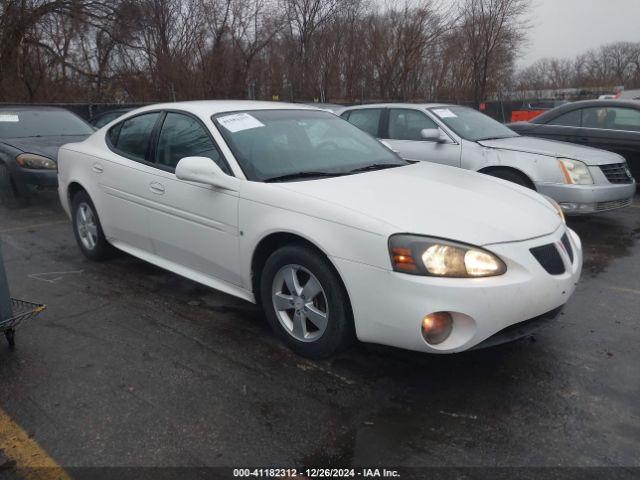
<point x="613" y="65"/>
<point x="302" y="50"/>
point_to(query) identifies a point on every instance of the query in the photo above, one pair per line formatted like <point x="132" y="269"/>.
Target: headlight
<point x="558" y="208"/>
<point x="575" y="172"/>
<point x="31" y="160"/>
<point x="436" y="257"/>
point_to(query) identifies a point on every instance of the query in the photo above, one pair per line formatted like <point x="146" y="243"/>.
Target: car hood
<point x="431" y="199"/>
<point x="45" y="146"/>
<point x="552" y="148"/>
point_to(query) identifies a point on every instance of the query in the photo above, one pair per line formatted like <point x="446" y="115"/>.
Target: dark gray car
<point x="30" y="137"/>
<point x="109" y="116"/>
<point x="612" y="125"/>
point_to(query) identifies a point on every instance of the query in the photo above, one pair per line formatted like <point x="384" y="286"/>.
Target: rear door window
<point x="569" y="119"/>
<point x="131" y="137"/>
<point x="367" y="120"/>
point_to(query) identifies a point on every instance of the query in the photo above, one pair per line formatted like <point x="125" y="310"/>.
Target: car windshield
<point x="273" y="145"/>
<point x="41" y="123"/>
<point x="471" y="124"/>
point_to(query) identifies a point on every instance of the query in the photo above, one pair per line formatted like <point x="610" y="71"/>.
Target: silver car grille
<point x="617" y="173"/>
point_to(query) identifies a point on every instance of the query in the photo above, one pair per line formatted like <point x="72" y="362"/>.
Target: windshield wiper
<point x="297" y="175"/>
<point x="375" y="166"/>
<point x="54" y="135"/>
<point x="495" y="138"/>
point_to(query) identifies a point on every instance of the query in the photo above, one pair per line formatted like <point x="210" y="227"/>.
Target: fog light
<point x="436" y="327"/>
<point x="569" y="207"/>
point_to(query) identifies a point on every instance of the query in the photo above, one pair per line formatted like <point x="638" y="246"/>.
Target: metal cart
<point x="21" y="311"/>
<point x="13" y="311"/>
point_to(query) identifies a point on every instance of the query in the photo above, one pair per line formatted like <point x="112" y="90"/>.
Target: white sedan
<point x="331" y="232"/>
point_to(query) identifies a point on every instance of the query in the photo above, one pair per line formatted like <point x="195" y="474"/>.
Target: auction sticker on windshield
<point x="9" y="117"/>
<point x="239" y="121"/>
<point x="444" y="113"/>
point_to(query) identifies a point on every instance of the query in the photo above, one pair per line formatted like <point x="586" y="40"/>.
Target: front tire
<point x="305" y="302"/>
<point x="512" y="176"/>
<point x="87" y="228"/>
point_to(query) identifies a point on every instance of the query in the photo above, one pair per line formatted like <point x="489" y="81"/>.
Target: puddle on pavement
<point x="415" y="399"/>
<point x="604" y="239"/>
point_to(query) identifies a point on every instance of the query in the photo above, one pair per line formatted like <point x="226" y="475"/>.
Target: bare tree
<point x="340" y="50"/>
<point x="491" y="30"/>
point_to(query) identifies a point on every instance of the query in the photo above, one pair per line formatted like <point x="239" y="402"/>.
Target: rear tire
<point x="88" y="230"/>
<point x="511" y="176"/>
<point x="305" y="302"/>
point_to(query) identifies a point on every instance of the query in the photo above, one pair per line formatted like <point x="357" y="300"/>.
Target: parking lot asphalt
<point x="134" y="366"/>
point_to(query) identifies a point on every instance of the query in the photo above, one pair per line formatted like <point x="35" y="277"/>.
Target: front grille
<point x="550" y="259"/>
<point x="568" y="247"/>
<point x="601" y="206"/>
<point x="617" y="173"/>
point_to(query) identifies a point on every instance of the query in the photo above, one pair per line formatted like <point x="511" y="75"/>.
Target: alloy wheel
<point x="300" y="303"/>
<point x="87" y="226"/>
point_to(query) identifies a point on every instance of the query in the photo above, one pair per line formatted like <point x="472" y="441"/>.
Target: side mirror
<point x="433" y="135"/>
<point x="204" y="170"/>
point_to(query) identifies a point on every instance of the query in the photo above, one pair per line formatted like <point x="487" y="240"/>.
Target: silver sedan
<point x="581" y="179"/>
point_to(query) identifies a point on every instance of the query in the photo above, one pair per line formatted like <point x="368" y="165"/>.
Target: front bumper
<point x="519" y="330"/>
<point x="585" y="199"/>
<point x="388" y="306"/>
<point x="28" y="179"/>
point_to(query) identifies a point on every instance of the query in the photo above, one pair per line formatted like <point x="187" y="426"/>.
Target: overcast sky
<point x="565" y="28"/>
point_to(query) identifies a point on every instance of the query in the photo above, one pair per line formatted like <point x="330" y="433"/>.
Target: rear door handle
<point x="156" y="187"/>
<point x="98" y="168"/>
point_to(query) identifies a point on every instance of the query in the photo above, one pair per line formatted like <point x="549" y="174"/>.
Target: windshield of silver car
<point x="285" y="145"/>
<point x="471" y="124"/>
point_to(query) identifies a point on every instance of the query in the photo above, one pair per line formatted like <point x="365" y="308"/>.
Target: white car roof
<point x="207" y="108"/>
<point x="402" y="105"/>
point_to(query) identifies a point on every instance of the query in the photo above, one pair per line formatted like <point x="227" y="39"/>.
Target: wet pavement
<point x="133" y="366"/>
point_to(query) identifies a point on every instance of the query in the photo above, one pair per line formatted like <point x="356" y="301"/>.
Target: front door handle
<point x="98" y="168"/>
<point x="156" y="187"/>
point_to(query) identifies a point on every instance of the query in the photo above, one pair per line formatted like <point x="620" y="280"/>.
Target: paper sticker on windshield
<point x="9" y="117"/>
<point x="239" y="121"/>
<point x="444" y="113"/>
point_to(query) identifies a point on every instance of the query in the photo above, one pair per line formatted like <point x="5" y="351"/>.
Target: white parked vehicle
<point x="335" y="235"/>
<point x="581" y="179"/>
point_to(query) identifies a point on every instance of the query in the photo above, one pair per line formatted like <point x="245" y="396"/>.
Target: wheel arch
<point x="275" y="240"/>
<point x="494" y="168"/>
<point x="73" y="188"/>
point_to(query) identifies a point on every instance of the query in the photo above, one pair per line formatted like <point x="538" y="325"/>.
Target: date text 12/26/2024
<point x="315" y="473"/>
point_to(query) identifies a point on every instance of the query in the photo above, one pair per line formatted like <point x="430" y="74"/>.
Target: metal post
<point x="5" y="299"/>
